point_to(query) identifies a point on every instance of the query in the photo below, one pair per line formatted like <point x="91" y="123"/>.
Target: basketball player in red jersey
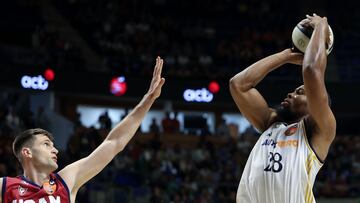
<point x="36" y="152"/>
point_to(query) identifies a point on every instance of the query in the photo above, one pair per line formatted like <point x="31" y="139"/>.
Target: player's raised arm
<point x="248" y="99"/>
<point x="78" y="173"/>
<point x="314" y="66"/>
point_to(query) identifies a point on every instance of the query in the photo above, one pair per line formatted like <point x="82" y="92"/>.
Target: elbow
<point x="120" y="147"/>
<point x="114" y="146"/>
<point x="310" y="71"/>
<point x="314" y="64"/>
<point x="309" y="64"/>
<point x="232" y="83"/>
<point x="235" y="84"/>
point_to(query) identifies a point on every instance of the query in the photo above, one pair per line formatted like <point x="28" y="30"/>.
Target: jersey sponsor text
<point x="41" y="200"/>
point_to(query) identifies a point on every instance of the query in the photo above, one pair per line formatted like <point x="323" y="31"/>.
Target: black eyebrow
<point x="48" y="141"/>
<point x="299" y="89"/>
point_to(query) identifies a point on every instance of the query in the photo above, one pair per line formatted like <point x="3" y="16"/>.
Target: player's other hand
<point x="157" y="81"/>
<point x="292" y="56"/>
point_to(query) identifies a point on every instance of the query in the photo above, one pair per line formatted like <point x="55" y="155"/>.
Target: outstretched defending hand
<point x="157" y="81"/>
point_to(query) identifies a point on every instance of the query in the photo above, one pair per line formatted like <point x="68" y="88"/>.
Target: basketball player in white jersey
<point x="296" y="137"/>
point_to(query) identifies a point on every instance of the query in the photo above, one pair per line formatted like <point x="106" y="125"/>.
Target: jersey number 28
<point x="275" y="163"/>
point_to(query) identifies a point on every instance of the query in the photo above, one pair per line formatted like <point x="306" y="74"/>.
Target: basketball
<point x="301" y="36"/>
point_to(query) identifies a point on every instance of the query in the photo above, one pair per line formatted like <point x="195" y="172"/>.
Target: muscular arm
<point x="248" y="99"/>
<point x="78" y="173"/>
<point x="314" y="66"/>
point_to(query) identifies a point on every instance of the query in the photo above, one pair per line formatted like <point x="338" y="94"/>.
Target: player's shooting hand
<point x="315" y="20"/>
<point x="157" y="81"/>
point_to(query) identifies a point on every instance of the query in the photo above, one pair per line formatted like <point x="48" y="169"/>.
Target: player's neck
<point x="35" y="176"/>
<point x="286" y="116"/>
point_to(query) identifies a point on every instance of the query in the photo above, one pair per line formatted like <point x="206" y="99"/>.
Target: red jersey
<point x="21" y="190"/>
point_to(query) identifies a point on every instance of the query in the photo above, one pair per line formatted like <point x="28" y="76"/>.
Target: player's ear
<point x="26" y="152"/>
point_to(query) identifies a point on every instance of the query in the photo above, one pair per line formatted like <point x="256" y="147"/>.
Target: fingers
<point x="313" y="20"/>
<point x="162" y="81"/>
<point x="297" y="54"/>
<point x="313" y="15"/>
<point x="158" y="67"/>
<point x="305" y="22"/>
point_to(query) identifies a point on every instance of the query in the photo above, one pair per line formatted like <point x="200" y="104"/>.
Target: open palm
<point x="157" y="81"/>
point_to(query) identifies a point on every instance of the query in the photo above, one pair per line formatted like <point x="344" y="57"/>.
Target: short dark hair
<point x="27" y="138"/>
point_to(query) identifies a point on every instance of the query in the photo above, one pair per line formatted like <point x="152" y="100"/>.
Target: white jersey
<point x="281" y="167"/>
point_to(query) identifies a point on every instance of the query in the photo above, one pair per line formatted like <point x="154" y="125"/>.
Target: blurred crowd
<point x="170" y="166"/>
<point x="27" y="40"/>
<point x="217" y="42"/>
<point x="196" y="42"/>
<point x="213" y="43"/>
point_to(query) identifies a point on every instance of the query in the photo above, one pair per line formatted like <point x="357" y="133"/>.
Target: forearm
<point x="315" y="54"/>
<point x="253" y="74"/>
<point x="122" y="133"/>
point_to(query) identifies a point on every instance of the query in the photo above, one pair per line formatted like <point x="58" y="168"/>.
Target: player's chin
<point x="281" y="107"/>
<point x="54" y="166"/>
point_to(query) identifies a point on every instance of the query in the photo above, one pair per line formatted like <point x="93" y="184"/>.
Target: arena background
<point x="58" y="58"/>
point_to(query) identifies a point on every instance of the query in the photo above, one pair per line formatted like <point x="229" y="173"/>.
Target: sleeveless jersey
<point x="281" y="167"/>
<point x="20" y="190"/>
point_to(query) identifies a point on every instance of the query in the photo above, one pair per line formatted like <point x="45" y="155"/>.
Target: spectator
<point x="42" y="119"/>
<point x="105" y="121"/>
<point x="175" y="122"/>
<point x="13" y="120"/>
<point x="154" y="127"/>
<point x="223" y="129"/>
<point x="167" y="124"/>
